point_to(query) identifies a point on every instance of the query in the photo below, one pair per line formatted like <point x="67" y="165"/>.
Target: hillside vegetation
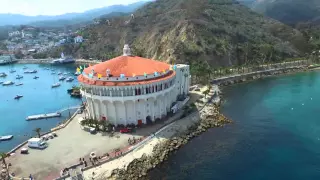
<point x="290" y="11"/>
<point x="207" y="32"/>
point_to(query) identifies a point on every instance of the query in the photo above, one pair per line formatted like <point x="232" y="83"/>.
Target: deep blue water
<point x="268" y="139"/>
<point x="38" y="97"/>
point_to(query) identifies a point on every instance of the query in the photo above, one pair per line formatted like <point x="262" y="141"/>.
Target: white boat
<point x="30" y="71"/>
<point x="53" y="73"/>
<point x="47" y="69"/>
<point x="25" y="67"/>
<point x="59" y="73"/>
<point x="7" y="83"/>
<point x="61" y="78"/>
<point x="69" y="79"/>
<point x="6" y="138"/>
<point x="65" y="73"/>
<point x="20" y="84"/>
<point x="1" y="82"/>
<point x="77" y="73"/>
<point x="19" y="76"/>
<point x="55" y="85"/>
<point x="36" y="77"/>
<point x="12" y="71"/>
<point x="3" y="74"/>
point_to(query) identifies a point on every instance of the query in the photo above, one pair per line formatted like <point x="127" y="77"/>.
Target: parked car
<point x="125" y="130"/>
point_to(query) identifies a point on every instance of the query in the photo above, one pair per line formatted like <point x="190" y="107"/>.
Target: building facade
<point x="133" y="90"/>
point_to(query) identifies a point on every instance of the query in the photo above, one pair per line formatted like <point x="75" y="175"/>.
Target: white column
<point x="135" y="112"/>
<point x="115" y="113"/>
<point x="125" y="112"/>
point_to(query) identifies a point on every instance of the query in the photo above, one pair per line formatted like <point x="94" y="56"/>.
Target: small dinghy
<point x="25" y="67"/>
<point x="19" y="77"/>
<point x="36" y="77"/>
<point x="20" y="84"/>
<point x="18" y="97"/>
<point x="55" y="85"/>
<point x="6" y="138"/>
<point x="12" y="71"/>
<point x="7" y="83"/>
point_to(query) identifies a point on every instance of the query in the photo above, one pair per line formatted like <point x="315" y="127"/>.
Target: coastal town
<point x="30" y="42"/>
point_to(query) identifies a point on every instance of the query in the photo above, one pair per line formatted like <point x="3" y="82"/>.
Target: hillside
<point x="290" y="11"/>
<point x="67" y="19"/>
<point x="215" y="32"/>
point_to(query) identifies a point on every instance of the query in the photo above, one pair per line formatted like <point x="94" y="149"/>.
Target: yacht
<point x="61" y="78"/>
<point x="55" y="85"/>
<point x="7" y="83"/>
<point x="3" y="74"/>
<point x="63" y="60"/>
<point x="69" y="79"/>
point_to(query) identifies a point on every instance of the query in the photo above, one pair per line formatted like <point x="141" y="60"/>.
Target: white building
<point x="78" y="39"/>
<point x="14" y="33"/>
<point x="133" y="90"/>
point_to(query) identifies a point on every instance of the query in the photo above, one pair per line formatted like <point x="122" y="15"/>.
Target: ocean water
<point x="275" y="135"/>
<point x="38" y="97"/>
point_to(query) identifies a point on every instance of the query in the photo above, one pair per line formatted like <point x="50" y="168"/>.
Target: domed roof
<point x="129" y="66"/>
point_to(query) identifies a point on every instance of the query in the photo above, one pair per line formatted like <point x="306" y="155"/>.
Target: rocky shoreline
<point x="210" y="117"/>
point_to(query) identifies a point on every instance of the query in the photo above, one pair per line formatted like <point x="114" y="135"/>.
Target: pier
<point x="43" y="116"/>
<point x="50" y="115"/>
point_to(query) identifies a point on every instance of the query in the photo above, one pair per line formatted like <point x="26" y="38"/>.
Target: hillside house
<point x="78" y="39"/>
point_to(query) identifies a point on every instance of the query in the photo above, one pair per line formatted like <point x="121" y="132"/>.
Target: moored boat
<point x="69" y="79"/>
<point x="36" y="77"/>
<point x="12" y="71"/>
<point x="30" y="71"/>
<point x="55" y="85"/>
<point x="6" y="138"/>
<point x="18" y="97"/>
<point x="20" y="84"/>
<point x="7" y="83"/>
<point x="19" y="76"/>
<point x="3" y="74"/>
<point x="61" y="78"/>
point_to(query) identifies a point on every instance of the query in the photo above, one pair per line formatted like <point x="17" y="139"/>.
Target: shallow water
<point x="275" y="135"/>
<point x="38" y="97"/>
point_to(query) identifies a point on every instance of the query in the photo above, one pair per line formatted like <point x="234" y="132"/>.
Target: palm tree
<point x="38" y="130"/>
<point x="3" y="158"/>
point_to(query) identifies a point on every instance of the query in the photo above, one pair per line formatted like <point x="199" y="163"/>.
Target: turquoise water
<point x="275" y="135"/>
<point x="38" y="97"/>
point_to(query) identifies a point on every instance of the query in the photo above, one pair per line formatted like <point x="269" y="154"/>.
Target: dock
<point x="43" y="116"/>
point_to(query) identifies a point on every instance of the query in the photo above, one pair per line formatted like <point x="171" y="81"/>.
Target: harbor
<point x="29" y="96"/>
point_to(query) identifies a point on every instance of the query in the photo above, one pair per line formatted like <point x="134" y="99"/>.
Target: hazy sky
<point x="55" y="7"/>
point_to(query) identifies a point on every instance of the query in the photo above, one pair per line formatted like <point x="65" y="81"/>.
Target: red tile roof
<point x="85" y="80"/>
<point x="129" y="66"/>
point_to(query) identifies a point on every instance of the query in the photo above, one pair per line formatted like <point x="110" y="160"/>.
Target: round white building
<point x="132" y="90"/>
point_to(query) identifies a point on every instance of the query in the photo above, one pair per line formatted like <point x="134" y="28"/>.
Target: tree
<point x="3" y="158"/>
<point x="206" y="92"/>
<point x="38" y="130"/>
